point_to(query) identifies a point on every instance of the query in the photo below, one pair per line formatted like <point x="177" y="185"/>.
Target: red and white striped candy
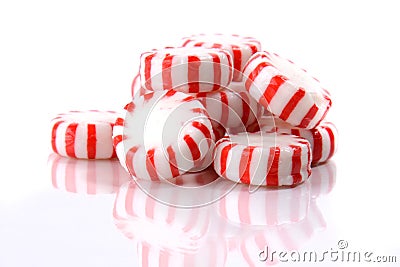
<point x="84" y="134"/>
<point x="231" y="109"/>
<point x="163" y="135"/>
<point x="241" y="48"/>
<point x="143" y="212"/>
<point x="86" y="176"/>
<point x="265" y="206"/>
<point x="189" y="70"/>
<point x="286" y="90"/>
<point x="323" y="138"/>
<point x="263" y="159"/>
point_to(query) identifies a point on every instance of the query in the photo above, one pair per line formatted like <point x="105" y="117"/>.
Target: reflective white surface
<point x="84" y="55"/>
<point x="92" y="214"/>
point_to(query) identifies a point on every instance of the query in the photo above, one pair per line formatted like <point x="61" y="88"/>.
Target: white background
<point x="57" y="56"/>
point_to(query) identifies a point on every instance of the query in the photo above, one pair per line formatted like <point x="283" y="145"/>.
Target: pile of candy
<point x="216" y="100"/>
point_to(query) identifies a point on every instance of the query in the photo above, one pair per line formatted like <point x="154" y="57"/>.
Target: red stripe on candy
<point x="188" y="98"/>
<point x="291" y="105"/>
<point x="309" y="116"/>
<point x="70" y="135"/>
<point x="253" y="48"/>
<point x="244" y="164"/>
<point x="194" y="74"/>
<point x="150" y="166"/>
<point x="166" y="72"/>
<point x="119" y="122"/>
<point x="224" y="157"/>
<point x="200" y="126"/>
<point x="237" y="62"/>
<point x="271" y="89"/>
<point x="172" y="161"/>
<point x="317" y="147"/>
<point x="91" y="141"/>
<point x="296" y="164"/>
<point x="147" y="71"/>
<point x="331" y="141"/>
<point x="129" y="107"/>
<point x="194" y="149"/>
<point x="245" y="108"/>
<point x="253" y="75"/>
<point x="170" y="93"/>
<point x="217" y="71"/>
<point x="54" y="136"/>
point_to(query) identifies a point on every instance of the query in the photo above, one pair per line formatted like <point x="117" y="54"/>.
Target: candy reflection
<point x="194" y="189"/>
<point x="236" y="227"/>
<point x="86" y="176"/>
<point x="285" y="237"/>
<point x="265" y="206"/>
<point x="323" y="179"/>
<point x="277" y="220"/>
<point x="211" y="254"/>
<point x="142" y="210"/>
